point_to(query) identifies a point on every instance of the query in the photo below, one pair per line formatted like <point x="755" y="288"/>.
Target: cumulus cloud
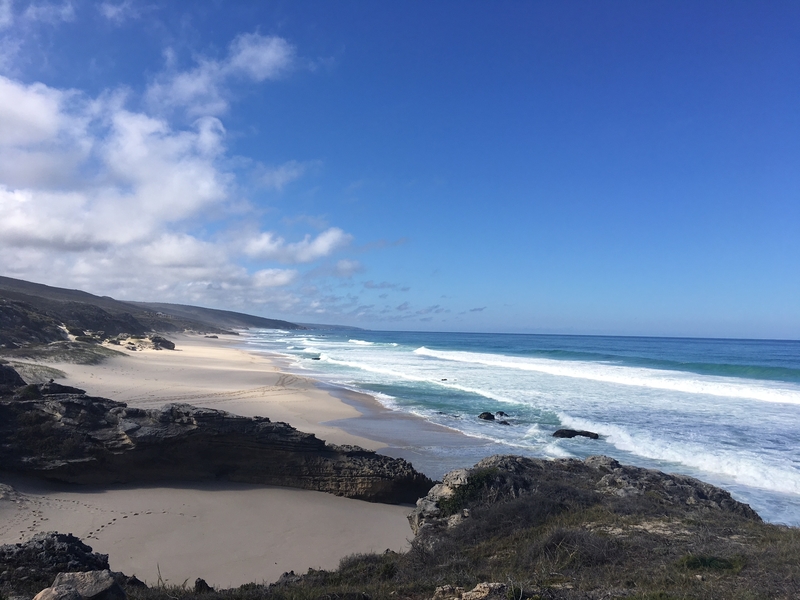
<point x="202" y="90"/>
<point x="269" y="246"/>
<point x="98" y="196"/>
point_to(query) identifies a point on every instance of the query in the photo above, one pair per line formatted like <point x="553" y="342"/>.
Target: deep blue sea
<point x="725" y="411"/>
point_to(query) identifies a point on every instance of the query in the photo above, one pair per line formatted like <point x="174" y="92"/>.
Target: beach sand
<point x="228" y="534"/>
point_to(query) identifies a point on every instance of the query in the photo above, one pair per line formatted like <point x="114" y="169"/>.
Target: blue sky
<point x="562" y="167"/>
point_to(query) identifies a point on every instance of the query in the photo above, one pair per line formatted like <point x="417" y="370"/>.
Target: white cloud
<point x="47" y="12"/>
<point x="6" y="13"/>
<point x="348" y="268"/>
<point x="269" y="246"/>
<point x="118" y="13"/>
<point x="97" y="196"/>
<point x="268" y="278"/>
<point x="259" y="57"/>
<point x="202" y="90"/>
<point x="279" y="177"/>
<point x="28" y="114"/>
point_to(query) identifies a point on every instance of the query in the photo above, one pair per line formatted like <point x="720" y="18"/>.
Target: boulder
<point x="162" y="342"/>
<point x="486" y="416"/>
<point x="571" y="433"/>
<point x="500" y="413"/>
<point x="92" y="585"/>
<point x="59" y="592"/>
<point x="9" y="378"/>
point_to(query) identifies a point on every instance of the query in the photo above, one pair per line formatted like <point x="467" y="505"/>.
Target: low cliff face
<point x="60" y="433"/>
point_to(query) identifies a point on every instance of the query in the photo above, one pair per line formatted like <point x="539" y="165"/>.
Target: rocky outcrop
<point x="486" y="416"/>
<point x="9" y="379"/>
<point x="600" y="479"/>
<point x="60" y="433"/>
<point x="46" y="555"/>
<point x="571" y="433"/>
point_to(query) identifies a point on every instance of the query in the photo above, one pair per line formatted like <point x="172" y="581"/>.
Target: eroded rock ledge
<point x="499" y="478"/>
<point x="60" y="433"/>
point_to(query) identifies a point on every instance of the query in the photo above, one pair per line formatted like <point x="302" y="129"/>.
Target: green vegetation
<point x="81" y="353"/>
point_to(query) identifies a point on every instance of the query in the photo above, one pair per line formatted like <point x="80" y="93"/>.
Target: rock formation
<point x="46" y="555"/>
<point x="60" y="433"/>
<point x="507" y="477"/>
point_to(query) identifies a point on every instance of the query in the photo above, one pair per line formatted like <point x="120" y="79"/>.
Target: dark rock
<point x="500" y="413"/>
<point x="9" y="378"/>
<point x="134" y="582"/>
<point x="45" y="555"/>
<point x="486" y="416"/>
<point x="77" y="438"/>
<point x="51" y="388"/>
<point x="503" y="423"/>
<point x="162" y="342"/>
<point x="92" y="585"/>
<point x="212" y="337"/>
<point x="571" y="433"/>
<point x="201" y="587"/>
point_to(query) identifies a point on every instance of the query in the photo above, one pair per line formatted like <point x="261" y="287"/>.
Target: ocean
<point x="724" y="411"/>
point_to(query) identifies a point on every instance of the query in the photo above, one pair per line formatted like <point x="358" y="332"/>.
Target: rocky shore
<point x="62" y="434"/>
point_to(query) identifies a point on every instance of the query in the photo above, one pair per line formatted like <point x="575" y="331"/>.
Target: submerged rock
<point x="571" y="433"/>
<point x="486" y="416"/>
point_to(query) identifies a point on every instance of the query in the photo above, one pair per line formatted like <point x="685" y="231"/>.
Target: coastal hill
<point x="33" y="313"/>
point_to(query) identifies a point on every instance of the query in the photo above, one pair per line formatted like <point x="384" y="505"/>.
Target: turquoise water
<point x="726" y="411"/>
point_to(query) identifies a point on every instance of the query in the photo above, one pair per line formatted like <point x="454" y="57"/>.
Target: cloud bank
<point x="97" y="195"/>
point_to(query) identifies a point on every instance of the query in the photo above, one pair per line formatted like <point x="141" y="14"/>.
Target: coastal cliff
<point x="60" y="433"/>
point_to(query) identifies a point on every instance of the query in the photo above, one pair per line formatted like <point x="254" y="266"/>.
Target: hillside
<point x="33" y="313"/>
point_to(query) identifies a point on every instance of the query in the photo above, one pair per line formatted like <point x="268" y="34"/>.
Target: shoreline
<point x="257" y="532"/>
<point x="433" y="449"/>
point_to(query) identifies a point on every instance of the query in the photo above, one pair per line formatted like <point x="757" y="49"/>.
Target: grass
<point x="36" y="373"/>
<point x="81" y="353"/>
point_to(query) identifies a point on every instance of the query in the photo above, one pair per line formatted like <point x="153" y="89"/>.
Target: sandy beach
<point x="228" y="534"/>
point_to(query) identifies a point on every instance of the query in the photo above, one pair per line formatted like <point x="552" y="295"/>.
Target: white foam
<point x="631" y="376"/>
<point x="361" y="342"/>
<point x="743" y="467"/>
